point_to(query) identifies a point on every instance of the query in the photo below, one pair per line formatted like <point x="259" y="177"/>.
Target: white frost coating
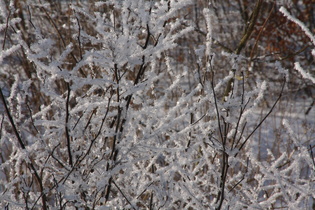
<point x="142" y="117"/>
<point x="299" y="23"/>
<point x="309" y="34"/>
<point x="207" y="15"/>
<point x="282" y="70"/>
<point x="261" y="92"/>
<point x="5" y="53"/>
<point x="14" y="88"/>
<point x="3" y="9"/>
<point x="305" y="74"/>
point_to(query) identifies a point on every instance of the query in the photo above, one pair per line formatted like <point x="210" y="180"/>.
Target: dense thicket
<point x="147" y="104"/>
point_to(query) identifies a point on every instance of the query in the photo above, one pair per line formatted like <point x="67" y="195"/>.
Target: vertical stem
<point x="23" y="147"/>
<point x="66" y="127"/>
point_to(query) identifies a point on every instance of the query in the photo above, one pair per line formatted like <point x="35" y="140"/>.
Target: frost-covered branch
<point x="118" y="104"/>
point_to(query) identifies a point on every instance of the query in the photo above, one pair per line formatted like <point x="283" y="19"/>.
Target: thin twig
<point x="250" y="27"/>
<point x="144" y="190"/>
<point x="216" y="105"/>
<point x="31" y="115"/>
<point x="75" y="125"/>
<point x="225" y="157"/>
<point x="80" y="48"/>
<point x="261" y="30"/>
<point x="67" y="127"/>
<point x="30" y="17"/>
<point x="238" y="122"/>
<point x="312" y="156"/>
<point x="241" y="178"/>
<point x="151" y="202"/>
<point x="62" y="39"/>
<point x="242" y="43"/>
<point x="23" y="147"/>
<point x="1" y="124"/>
<point x="214" y="41"/>
<point x="241" y="134"/>
<point x="11" y="121"/>
<point x="89" y="120"/>
<point x="6" y="30"/>
<point x="123" y="194"/>
<point x="79" y="160"/>
<point x="266" y="116"/>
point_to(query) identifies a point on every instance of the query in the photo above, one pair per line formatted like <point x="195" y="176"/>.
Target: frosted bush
<point x="107" y="105"/>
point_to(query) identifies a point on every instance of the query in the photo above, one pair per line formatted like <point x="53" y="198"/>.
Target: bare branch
<point x="266" y="116"/>
<point x="123" y="194"/>
<point x="67" y="126"/>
